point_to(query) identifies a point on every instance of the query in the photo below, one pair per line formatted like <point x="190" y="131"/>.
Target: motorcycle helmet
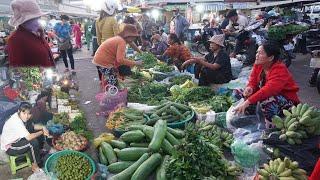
<point x="109" y="6"/>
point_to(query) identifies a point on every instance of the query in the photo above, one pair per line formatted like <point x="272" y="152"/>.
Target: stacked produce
<point x="71" y="140"/>
<point x="281" y="31"/>
<point x="215" y="103"/>
<point x="122" y="118"/>
<point x="171" y="112"/>
<point x="193" y="94"/>
<point x="149" y="60"/>
<point x="164" y="68"/>
<point x="78" y="125"/>
<point x="72" y="166"/>
<point x="199" y="157"/>
<point x="302" y="121"/>
<point x="140" y="152"/>
<point x="283" y="170"/>
<point x="178" y="80"/>
<point x="31" y="76"/>
<point x="61" y="118"/>
<point x="148" y="93"/>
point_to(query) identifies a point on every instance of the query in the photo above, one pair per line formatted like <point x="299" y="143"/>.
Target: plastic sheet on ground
<point x="141" y="107"/>
<point x="246" y="155"/>
<point x="236" y="67"/>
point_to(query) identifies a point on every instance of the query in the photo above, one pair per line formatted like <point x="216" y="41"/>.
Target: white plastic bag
<point x="40" y="174"/>
<point x="315" y="62"/>
<point x="141" y="107"/>
<point x="231" y="114"/>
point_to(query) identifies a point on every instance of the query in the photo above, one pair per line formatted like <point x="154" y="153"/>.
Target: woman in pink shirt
<point x="76" y="30"/>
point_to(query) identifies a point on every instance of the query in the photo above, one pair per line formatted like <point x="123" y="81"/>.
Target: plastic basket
<point x="108" y="103"/>
<point x="52" y="160"/>
<point x="182" y="124"/>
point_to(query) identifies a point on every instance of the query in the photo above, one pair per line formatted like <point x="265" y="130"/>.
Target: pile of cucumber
<point x="140" y="152"/>
<point x="171" y="112"/>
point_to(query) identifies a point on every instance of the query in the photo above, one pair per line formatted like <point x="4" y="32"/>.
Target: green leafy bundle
<point x="177" y="80"/>
<point x="31" y="76"/>
<point x="194" y="94"/>
<point x="149" y="60"/>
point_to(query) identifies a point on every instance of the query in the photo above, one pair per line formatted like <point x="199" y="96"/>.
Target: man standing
<point x="87" y="32"/>
<point x="180" y="25"/>
<point x="148" y="27"/>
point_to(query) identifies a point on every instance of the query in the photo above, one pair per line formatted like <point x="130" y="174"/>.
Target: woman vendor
<point x="178" y="52"/>
<point x="159" y="46"/>
<point x="110" y="56"/>
<point x="270" y="83"/>
<point x="20" y="136"/>
<point x="40" y="114"/>
<point x="215" y="67"/>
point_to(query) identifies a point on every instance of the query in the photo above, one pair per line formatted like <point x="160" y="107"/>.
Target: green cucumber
<point x="176" y="112"/>
<point x="136" y="127"/>
<point x="176" y="132"/>
<point x="167" y="147"/>
<point x="159" y="134"/>
<point x="147" y="167"/>
<point x="139" y="145"/>
<point x="148" y="131"/>
<point x="118" y="144"/>
<point x="132" y="153"/>
<point x="119" y="166"/>
<point x="161" y="170"/>
<point x="172" y="139"/>
<point x="127" y="173"/>
<point x="102" y="158"/>
<point x="163" y="109"/>
<point x="108" y="152"/>
<point x="181" y="106"/>
<point x="153" y="121"/>
<point x="132" y="136"/>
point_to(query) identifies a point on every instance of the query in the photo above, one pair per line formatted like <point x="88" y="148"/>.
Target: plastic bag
<point x="109" y="102"/>
<point x="40" y="174"/>
<point x="231" y="114"/>
<point x="141" y="107"/>
<point x="104" y="137"/>
<point x="315" y="62"/>
<point x="245" y="155"/>
<point x="236" y="66"/>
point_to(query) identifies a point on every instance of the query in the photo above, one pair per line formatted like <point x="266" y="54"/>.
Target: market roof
<point x="278" y="3"/>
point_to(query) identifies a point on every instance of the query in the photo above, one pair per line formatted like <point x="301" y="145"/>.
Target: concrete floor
<point x="89" y="87"/>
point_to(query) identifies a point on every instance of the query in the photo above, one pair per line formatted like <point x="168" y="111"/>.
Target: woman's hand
<point x="241" y="108"/>
<point x="190" y="61"/>
<point x="45" y="131"/>
<point x="247" y="92"/>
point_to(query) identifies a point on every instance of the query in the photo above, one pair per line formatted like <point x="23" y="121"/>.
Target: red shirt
<point x="279" y="81"/>
<point x="27" y="49"/>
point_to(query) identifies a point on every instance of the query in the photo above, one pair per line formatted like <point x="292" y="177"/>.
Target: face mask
<point x="32" y="25"/>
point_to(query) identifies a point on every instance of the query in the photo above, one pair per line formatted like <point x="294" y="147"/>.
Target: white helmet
<point x="109" y="6"/>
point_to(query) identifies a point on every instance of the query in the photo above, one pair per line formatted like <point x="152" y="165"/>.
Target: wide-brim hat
<point x="109" y="6"/>
<point x="218" y="39"/>
<point x="129" y="30"/>
<point x="24" y="10"/>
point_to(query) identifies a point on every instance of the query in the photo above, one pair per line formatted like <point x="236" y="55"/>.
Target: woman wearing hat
<point x="63" y="34"/>
<point x="27" y="45"/>
<point x="215" y="67"/>
<point x="106" y="24"/>
<point x="110" y="56"/>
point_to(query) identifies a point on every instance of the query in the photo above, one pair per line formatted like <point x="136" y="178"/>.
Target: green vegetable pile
<point x="72" y="166"/>
<point x="149" y="60"/>
<point x="177" y="80"/>
<point x="199" y="158"/>
<point x="148" y="93"/>
<point x="280" y="32"/>
<point x="122" y="118"/>
<point x="171" y="112"/>
<point x="194" y="94"/>
<point x="78" y="125"/>
<point x="61" y="118"/>
<point x="30" y="76"/>
<point x="216" y="103"/>
<point x="164" y="68"/>
<point x="62" y="95"/>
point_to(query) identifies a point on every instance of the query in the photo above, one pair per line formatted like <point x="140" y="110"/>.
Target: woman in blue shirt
<point x="63" y="32"/>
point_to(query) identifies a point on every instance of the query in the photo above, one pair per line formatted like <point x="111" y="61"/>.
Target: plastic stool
<point x="13" y="165"/>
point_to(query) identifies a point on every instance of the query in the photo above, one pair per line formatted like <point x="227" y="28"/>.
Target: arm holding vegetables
<point x="34" y="135"/>
<point x="203" y="62"/>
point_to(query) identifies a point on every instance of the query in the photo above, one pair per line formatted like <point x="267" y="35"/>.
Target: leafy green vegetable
<point x="61" y="118"/>
<point x="280" y="32"/>
<point x="177" y="80"/>
<point x="194" y="94"/>
<point x="164" y="68"/>
<point x="149" y="60"/>
<point x="216" y="103"/>
<point x="148" y="93"/>
<point x="31" y="76"/>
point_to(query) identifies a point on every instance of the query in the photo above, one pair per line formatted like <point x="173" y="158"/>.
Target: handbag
<point x="64" y="45"/>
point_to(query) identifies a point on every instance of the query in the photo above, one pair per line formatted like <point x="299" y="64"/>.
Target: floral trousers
<point x="110" y="74"/>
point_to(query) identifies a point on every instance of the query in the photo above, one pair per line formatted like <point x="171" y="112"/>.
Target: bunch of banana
<point x="216" y="132"/>
<point x="282" y="170"/>
<point x="234" y="170"/>
<point x="303" y="121"/>
<point x="200" y="108"/>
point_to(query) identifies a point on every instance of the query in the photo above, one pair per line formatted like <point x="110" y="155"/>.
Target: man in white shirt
<point x="18" y="136"/>
<point x="164" y="36"/>
<point x="237" y="23"/>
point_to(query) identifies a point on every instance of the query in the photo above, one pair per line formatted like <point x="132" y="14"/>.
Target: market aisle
<point x="301" y="72"/>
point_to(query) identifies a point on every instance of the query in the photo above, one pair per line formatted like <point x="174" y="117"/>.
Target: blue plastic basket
<point x="52" y="160"/>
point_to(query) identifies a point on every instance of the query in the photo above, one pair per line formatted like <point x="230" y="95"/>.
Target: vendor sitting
<point x="20" y="136"/>
<point x="178" y="52"/>
<point x="40" y="113"/>
<point x="159" y="46"/>
<point x="215" y="67"/>
<point x="270" y="83"/>
<point x="110" y="56"/>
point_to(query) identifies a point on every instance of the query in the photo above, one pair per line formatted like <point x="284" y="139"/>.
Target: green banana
<point x="299" y="172"/>
<point x="287" y="178"/>
<point x="294" y="165"/>
<point x="308" y="112"/>
<point x="286" y="113"/>
<point x="286" y="173"/>
<point x="292" y="134"/>
<point x="278" y="122"/>
<point x="305" y="120"/>
<point x="281" y="168"/>
<point x="291" y="122"/>
<point x="303" y="109"/>
<point x="291" y="141"/>
<point x="283" y="137"/>
<point x="294" y="110"/>
<point x="263" y="172"/>
<point x="311" y="129"/>
<point x="293" y="126"/>
<point x="299" y="106"/>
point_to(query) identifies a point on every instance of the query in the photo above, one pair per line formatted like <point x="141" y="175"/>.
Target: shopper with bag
<point x="110" y="56"/>
<point x="27" y="45"/>
<point x="63" y="34"/>
<point x="270" y="83"/>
